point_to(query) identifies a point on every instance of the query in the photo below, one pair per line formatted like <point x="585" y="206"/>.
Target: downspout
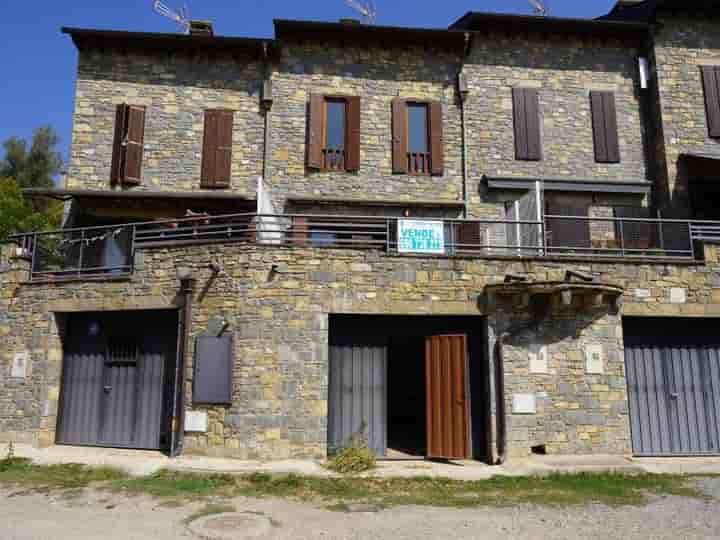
<point x="187" y="287"/>
<point x="266" y="104"/>
<point x="463" y="92"/>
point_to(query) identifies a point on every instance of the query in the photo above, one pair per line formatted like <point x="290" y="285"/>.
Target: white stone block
<point x="524" y="404"/>
<point x="196" y="421"/>
<point x="678" y="295"/>
<point x="538" y="359"/>
<point x="19" y="366"/>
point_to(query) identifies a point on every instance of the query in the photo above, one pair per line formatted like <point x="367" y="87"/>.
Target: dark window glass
<point x="335" y="125"/>
<point x="417" y="129"/>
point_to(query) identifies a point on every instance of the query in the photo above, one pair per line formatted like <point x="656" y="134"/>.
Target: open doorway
<point x="406" y="398"/>
<point x="414" y="387"/>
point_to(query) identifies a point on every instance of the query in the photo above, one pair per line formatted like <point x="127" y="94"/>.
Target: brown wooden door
<point x="447" y="397"/>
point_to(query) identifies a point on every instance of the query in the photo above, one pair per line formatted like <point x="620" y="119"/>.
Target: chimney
<point x="350" y="21"/>
<point x="201" y="28"/>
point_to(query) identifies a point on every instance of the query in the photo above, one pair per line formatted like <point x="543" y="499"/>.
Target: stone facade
<point x="280" y="327"/>
<point x="176" y="90"/>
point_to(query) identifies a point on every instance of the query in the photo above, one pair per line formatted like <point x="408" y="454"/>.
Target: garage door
<point x="673" y="375"/>
<point x="115" y="380"/>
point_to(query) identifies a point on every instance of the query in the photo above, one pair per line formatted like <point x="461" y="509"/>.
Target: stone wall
<point x="280" y="325"/>
<point x="682" y="45"/>
<point x="176" y="89"/>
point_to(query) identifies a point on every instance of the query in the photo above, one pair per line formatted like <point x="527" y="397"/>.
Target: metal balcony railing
<point x="107" y="252"/>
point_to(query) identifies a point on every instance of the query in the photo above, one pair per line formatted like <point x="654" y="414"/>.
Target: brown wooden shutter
<point x="436" y="138"/>
<point x="526" y="116"/>
<point x="134" y="144"/>
<point x="399" y="136"/>
<point x="316" y="116"/>
<point x="468" y="235"/>
<point x="711" y="83"/>
<point x="217" y="149"/>
<point x="118" y="155"/>
<point x="352" y="150"/>
<point x="567" y="233"/>
<point x="605" y="131"/>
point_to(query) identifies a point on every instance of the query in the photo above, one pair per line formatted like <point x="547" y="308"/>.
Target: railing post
<point x="32" y="257"/>
<point x="132" y="249"/>
<point x="622" y="239"/>
<point x="692" y="242"/>
<point x="387" y="235"/>
<point x="453" y="248"/>
<point x="80" y="255"/>
<point x="661" y="232"/>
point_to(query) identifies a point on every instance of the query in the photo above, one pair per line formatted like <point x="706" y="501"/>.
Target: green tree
<point x="16" y="216"/>
<point x="35" y="167"/>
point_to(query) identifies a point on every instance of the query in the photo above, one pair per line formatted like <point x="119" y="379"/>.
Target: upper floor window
<point x="605" y="131"/>
<point x="417" y="137"/>
<point x="526" y="120"/>
<point x="711" y="85"/>
<point x="127" y="155"/>
<point x="334" y="133"/>
<point x="217" y="149"/>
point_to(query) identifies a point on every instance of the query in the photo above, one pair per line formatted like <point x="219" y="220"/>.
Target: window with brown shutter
<point x="567" y="233"/>
<point x="126" y="166"/>
<point x="711" y="84"/>
<point x="417" y="130"/>
<point x="605" y="131"/>
<point x="334" y="133"/>
<point x="526" y="119"/>
<point x="217" y="149"/>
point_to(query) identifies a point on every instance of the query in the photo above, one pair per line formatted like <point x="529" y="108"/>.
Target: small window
<point x="335" y="133"/>
<point x="418" y="139"/>
<point x="711" y="86"/>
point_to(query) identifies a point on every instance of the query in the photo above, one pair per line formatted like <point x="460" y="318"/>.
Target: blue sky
<point x="38" y="63"/>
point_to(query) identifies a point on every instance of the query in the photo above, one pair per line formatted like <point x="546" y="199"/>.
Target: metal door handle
<point x="107" y="389"/>
<point x="673" y="395"/>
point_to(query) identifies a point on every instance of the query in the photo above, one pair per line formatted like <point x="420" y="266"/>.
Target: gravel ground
<point x="94" y="514"/>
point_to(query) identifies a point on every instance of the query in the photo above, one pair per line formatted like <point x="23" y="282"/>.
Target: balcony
<point x="108" y="252"/>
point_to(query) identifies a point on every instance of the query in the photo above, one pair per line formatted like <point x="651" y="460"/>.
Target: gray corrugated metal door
<point x="358" y="396"/>
<point x="113" y="387"/>
<point x="673" y="379"/>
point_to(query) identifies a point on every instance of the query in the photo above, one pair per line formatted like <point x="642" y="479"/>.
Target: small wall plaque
<point x="643" y="293"/>
<point x="594" y="359"/>
<point x="678" y="295"/>
<point x="524" y="404"/>
<point x="19" y="366"/>
<point x="539" y="359"/>
<point x="196" y="421"/>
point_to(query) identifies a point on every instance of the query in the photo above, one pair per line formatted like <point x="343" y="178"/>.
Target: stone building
<point x="473" y="242"/>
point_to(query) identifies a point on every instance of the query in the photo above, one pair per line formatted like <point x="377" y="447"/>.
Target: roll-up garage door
<point x="673" y="375"/>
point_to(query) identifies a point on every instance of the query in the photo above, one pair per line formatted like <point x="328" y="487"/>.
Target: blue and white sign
<point x="416" y="236"/>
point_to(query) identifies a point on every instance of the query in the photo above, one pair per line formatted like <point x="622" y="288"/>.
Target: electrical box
<point x="539" y="359"/>
<point x="524" y="404"/>
<point x="196" y="421"/>
<point x="212" y="384"/>
<point x="594" y="359"/>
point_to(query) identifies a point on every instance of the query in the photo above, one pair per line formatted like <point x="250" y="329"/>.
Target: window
<point x="526" y="118"/>
<point x="417" y="137"/>
<point x="217" y="149"/>
<point x="605" y="131"/>
<point x="334" y="133"/>
<point x="711" y="85"/>
<point x="126" y="167"/>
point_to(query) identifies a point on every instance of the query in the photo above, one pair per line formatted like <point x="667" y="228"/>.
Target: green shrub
<point x="353" y="458"/>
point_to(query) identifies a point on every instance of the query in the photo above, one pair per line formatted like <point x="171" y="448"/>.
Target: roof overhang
<point x="571" y="186"/>
<point x="84" y="38"/>
<point x="68" y="194"/>
<point x="479" y="21"/>
<point x="369" y="35"/>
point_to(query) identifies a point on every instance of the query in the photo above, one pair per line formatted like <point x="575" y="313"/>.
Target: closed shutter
<point x="526" y="116"/>
<point x="217" y="149"/>
<point x="135" y="141"/>
<point x="315" y="141"/>
<point x="605" y="131"/>
<point x="352" y="152"/>
<point x="567" y="233"/>
<point x="436" y="138"/>
<point x="711" y="83"/>
<point x="399" y="136"/>
<point x="126" y="166"/>
<point x="469" y="236"/>
<point x="118" y="155"/>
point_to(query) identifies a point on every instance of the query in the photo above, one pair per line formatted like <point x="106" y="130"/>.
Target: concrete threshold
<point x="141" y="463"/>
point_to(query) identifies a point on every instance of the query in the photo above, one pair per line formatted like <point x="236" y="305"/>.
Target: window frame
<point x="427" y="170"/>
<point x="327" y="99"/>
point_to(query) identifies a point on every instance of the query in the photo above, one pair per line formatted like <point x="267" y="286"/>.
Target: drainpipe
<point x="463" y="92"/>
<point x="187" y="287"/>
<point x="266" y="103"/>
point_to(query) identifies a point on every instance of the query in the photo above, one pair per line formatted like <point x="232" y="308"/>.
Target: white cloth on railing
<point x="270" y="228"/>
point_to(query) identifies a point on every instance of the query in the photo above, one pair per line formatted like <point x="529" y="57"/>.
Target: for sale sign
<point x="416" y="236"/>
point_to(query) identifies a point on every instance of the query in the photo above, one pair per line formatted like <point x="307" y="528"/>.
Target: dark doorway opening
<point x="378" y="386"/>
<point x="704" y="194"/>
<point x="406" y="398"/>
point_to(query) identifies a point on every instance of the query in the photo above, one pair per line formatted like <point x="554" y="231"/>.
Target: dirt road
<point x="97" y="514"/>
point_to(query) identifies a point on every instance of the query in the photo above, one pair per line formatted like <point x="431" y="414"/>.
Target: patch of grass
<point x="354" y="458"/>
<point x="169" y="484"/>
<point x="209" y="510"/>
<point x="66" y="476"/>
